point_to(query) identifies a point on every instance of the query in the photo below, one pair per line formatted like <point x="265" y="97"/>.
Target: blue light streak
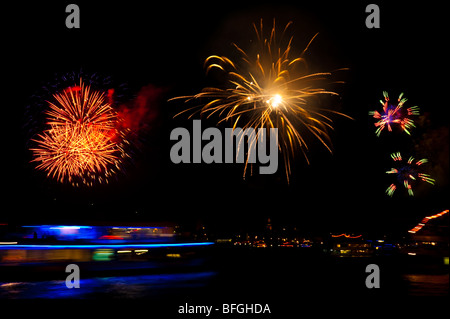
<point x="112" y="246"/>
<point x="90" y="227"/>
<point x="58" y="226"/>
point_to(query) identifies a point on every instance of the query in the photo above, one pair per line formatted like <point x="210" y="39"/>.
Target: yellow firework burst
<point x="269" y="89"/>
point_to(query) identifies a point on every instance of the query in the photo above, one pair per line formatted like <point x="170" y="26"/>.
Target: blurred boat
<point x="38" y="251"/>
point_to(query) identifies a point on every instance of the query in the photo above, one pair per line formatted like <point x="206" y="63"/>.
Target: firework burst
<point x="82" y="143"/>
<point x="269" y="89"/>
<point x="394" y="114"/>
<point x="407" y="173"/>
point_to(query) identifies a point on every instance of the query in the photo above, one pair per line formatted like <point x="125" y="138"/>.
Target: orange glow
<point x="346" y="236"/>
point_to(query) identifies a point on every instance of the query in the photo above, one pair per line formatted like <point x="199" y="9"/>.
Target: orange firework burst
<point x="272" y="89"/>
<point x="82" y="143"/>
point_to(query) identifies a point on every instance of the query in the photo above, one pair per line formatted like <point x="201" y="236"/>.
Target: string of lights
<point x="420" y="225"/>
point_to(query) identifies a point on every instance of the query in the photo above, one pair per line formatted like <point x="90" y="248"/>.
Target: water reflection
<point x="428" y="284"/>
<point x="122" y="287"/>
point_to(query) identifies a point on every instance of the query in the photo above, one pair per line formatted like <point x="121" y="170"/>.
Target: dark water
<point x="284" y="280"/>
<point x="126" y="287"/>
<point x="165" y="285"/>
<point x="427" y="284"/>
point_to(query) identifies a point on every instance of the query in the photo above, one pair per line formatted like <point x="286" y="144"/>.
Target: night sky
<point x="165" y="46"/>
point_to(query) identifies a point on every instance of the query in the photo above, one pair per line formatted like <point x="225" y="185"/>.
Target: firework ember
<point x="82" y="143"/>
<point x="270" y="89"/>
<point x="407" y="173"/>
<point x="394" y="114"/>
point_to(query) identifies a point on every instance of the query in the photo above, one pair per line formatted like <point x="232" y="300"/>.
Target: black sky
<point x="166" y="44"/>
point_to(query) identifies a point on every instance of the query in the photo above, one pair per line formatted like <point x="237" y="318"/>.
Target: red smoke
<point x="140" y="113"/>
<point x="75" y="88"/>
<point x="110" y="96"/>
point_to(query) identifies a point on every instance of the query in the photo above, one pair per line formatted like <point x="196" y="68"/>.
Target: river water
<point x="247" y="277"/>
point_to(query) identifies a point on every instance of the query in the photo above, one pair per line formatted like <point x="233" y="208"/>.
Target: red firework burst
<point x="83" y="143"/>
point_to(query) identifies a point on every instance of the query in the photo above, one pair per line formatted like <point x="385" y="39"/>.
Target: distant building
<point x="343" y="245"/>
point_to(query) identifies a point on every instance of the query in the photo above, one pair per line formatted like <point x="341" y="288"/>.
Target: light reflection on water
<point x="122" y="287"/>
<point x="162" y="285"/>
<point x="427" y="284"/>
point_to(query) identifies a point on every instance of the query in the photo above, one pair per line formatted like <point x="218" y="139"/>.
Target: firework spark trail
<point x="83" y="143"/>
<point x="272" y="90"/>
<point x="407" y="173"/>
<point x="394" y="114"/>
